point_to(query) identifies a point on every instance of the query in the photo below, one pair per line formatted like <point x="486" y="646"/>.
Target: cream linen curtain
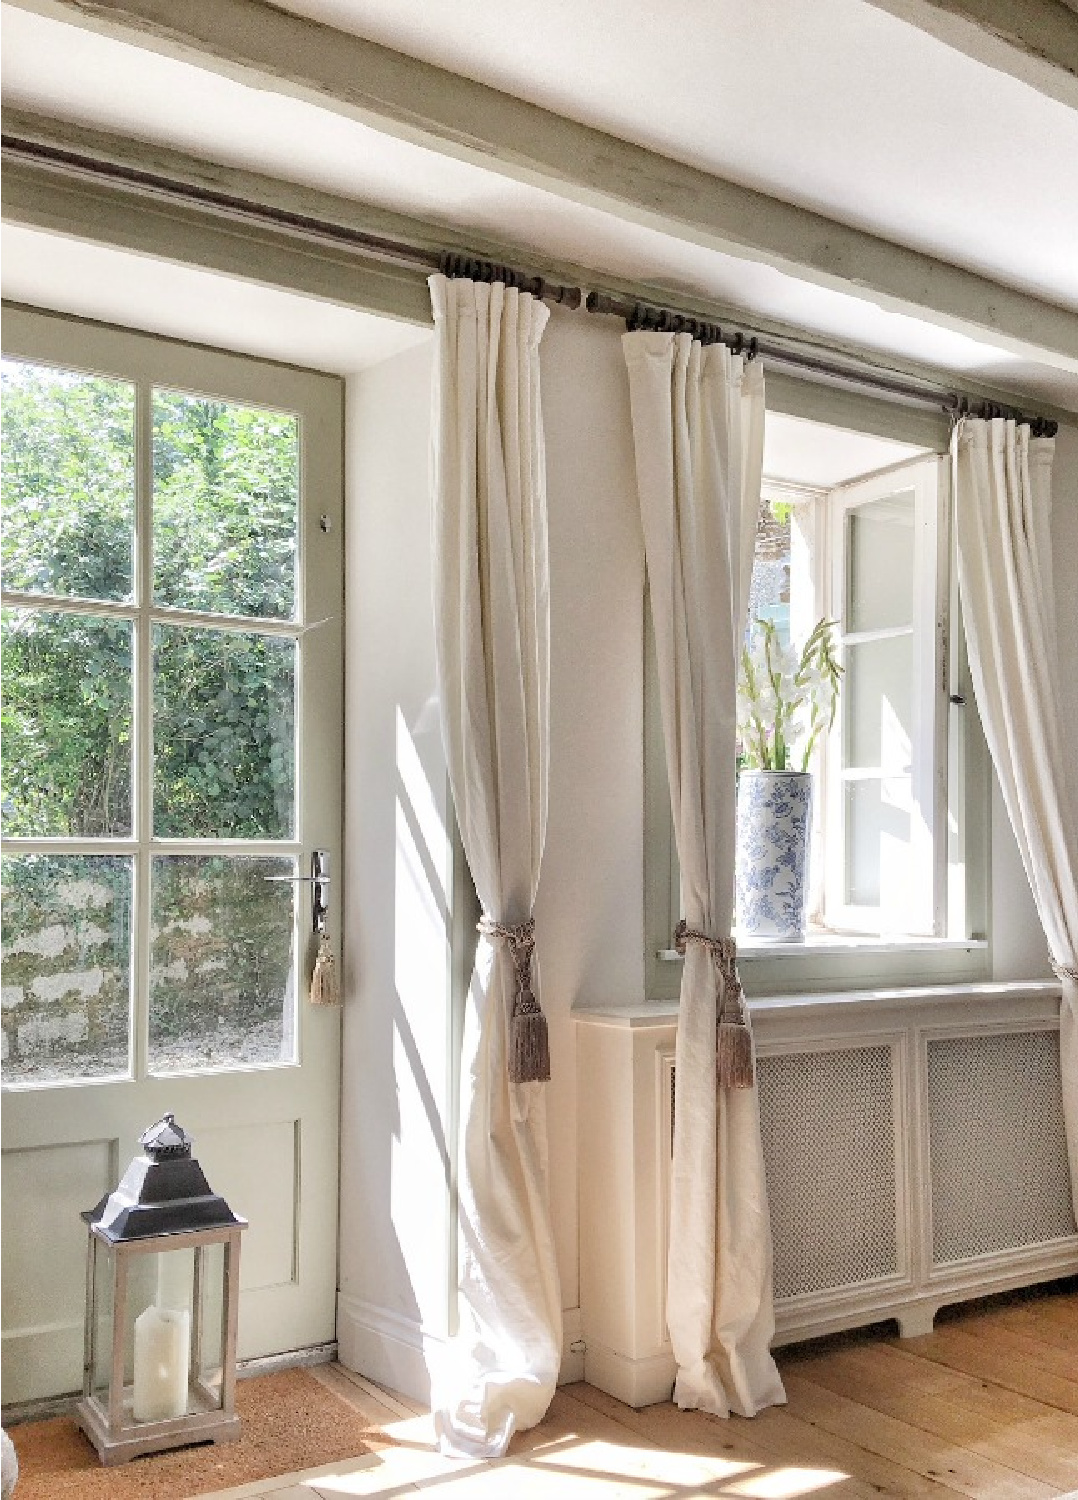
<point x="1003" y="503"/>
<point x="492" y="634"/>
<point x="698" y="416"/>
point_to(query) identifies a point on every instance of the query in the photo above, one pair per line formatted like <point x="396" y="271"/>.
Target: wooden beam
<point x="1035" y="41"/>
<point x="414" y="101"/>
<point x="118" y="216"/>
<point x="52" y="199"/>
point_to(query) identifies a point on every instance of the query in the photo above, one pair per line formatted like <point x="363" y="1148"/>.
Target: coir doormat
<point x="291" y="1421"/>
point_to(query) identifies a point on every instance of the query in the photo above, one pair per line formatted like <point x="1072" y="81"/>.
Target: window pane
<point x="68" y="482"/>
<point x="880" y="564"/>
<point x="877" y="813"/>
<point x="66" y="952"/>
<point x="226" y="503"/>
<point x="877" y="693"/>
<point x="67" y="704"/>
<point x="224" y="734"/>
<point x="222" y="989"/>
<point x="769" y="591"/>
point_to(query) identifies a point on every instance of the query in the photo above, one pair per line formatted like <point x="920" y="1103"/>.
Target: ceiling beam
<point x="126" y="220"/>
<point x="272" y="49"/>
<point x="1035" y="41"/>
<point x="62" y="199"/>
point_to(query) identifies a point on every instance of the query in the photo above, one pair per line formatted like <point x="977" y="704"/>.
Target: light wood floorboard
<point x="986" y="1406"/>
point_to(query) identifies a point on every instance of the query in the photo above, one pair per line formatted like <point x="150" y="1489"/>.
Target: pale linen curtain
<point x="1003" y="504"/>
<point x="698" y="415"/>
<point x="492" y="634"/>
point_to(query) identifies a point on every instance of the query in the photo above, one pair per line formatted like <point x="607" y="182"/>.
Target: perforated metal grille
<point x="829" y="1144"/>
<point x="998" y="1150"/>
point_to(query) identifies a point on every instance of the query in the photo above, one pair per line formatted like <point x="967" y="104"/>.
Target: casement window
<point x="899" y="841"/>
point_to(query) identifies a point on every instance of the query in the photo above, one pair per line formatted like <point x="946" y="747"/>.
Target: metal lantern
<point x="162" y="1297"/>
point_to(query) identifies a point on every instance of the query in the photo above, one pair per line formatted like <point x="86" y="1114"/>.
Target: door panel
<point x="149" y="964"/>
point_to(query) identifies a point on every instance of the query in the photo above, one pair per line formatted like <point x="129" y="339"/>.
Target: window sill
<point x="833" y="944"/>
<point x="984" y="996"/>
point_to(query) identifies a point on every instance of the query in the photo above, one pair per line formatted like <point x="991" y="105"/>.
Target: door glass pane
<point x="65" y="944"/>
<point x="68" y="482"/>
<point x="67" y="703"/>
<point x="225" y="506"/>
<point x="880" y="553"/>
<point x="877" y="694"/>
<point x="222" y="973"/>
<point x="224" y="734"/>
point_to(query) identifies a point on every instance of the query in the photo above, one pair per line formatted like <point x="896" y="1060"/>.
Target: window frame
<point x="149" y="362"/>
<point x="958" y="947"/>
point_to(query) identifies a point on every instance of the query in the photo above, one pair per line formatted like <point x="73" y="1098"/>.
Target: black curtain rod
<point x="643" y="315"/>
<point x="453" y="263"/>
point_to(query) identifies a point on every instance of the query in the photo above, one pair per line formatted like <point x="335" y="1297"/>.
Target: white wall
<point x="396" y="1100"/>
<point x="395" y="1222"/>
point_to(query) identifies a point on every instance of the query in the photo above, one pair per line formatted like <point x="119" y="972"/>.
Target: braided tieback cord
<point x="733" y="1034"/>
<point x="1066" y="971"/>
<point x="529" y="1043"/>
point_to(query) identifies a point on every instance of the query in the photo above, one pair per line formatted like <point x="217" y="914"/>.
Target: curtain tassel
<point x="529" y="1042"/>
<point x="325" y="985"/>
<point x="529" y="1039"/>
<point x="734" y="1055"/>
<point x="735" y="1066"/>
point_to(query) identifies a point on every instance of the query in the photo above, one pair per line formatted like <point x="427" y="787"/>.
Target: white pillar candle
<point x="162" y="1358"/>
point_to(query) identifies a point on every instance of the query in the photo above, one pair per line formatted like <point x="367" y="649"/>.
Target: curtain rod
<point x="643" y="315"/>
<point x="451" y="263"/>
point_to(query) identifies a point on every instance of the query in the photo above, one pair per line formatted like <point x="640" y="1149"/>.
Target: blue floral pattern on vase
<point x="774" y="811"/>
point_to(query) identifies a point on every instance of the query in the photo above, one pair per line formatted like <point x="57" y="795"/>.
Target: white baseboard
<point x="392" y="1350"/>
<point x="396" y="1352"/>
<point x="572" y="1347"/>
<point x="637" y="1382"/>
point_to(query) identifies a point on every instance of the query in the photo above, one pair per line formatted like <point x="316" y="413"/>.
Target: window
<point x="856" y="529"/>
<point x="152" y="630"/>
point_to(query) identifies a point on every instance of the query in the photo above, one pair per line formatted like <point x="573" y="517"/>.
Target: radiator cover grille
<point x="999" y="1170"/>
<point x="828" y="1126"/>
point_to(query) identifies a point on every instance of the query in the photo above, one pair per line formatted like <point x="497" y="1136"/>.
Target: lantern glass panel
<point x="104" y="1288"/>
<point x="212" y="1322"/>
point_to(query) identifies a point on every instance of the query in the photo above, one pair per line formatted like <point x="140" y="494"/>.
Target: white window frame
<point x="922" y="909"/>
<point x="954" y="947"/>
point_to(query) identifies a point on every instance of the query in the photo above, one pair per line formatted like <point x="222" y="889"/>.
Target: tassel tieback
<point x="325" y="986"/>
<point x="529" y="1042"/>
<point x="733" y="1034"/>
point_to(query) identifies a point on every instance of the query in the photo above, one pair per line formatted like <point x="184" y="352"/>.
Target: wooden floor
<point x="985" y="1406"/>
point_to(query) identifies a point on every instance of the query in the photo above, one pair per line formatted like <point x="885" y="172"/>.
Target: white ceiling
<point x="833" y="105"/>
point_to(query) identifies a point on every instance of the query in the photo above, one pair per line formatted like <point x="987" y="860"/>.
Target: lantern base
<point x="152" y="1437"/>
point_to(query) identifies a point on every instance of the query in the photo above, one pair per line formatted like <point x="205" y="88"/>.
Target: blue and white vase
<point x="774" y="816"/>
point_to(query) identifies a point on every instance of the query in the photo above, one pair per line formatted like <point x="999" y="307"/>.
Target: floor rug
<point x="291" y="1421"/>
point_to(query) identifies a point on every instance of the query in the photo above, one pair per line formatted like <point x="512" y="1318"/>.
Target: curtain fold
<point x="1003" y="508"/>
<point x="697" y="416"/>
<point x="491" y="603"/>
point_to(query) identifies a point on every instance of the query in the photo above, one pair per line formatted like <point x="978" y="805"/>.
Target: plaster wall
<point x="395" y="1239"/>
<point x="396" y="1222"/>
